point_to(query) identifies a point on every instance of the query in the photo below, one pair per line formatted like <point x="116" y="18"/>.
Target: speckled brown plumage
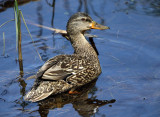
<point x="68" y="72"/>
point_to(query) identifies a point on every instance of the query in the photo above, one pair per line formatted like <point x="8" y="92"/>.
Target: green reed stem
<point x="18" y="36"/>
<point x="16" y="14"/>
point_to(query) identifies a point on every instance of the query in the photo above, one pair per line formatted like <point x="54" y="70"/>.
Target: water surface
<point x="128" y="53"/>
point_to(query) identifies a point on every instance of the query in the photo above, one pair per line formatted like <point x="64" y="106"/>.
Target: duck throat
<point x="82" y="46"/>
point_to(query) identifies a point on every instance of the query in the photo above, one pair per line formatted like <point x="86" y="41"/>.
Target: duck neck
<point x="82" y="46"/>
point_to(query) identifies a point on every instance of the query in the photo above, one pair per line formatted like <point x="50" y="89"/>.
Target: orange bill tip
<point x="95" y="25"/>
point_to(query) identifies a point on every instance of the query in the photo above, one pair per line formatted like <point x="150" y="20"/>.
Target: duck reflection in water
<point x="81" y="103"/>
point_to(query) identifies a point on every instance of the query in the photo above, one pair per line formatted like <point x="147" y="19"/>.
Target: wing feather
<point x="60" y="67"/>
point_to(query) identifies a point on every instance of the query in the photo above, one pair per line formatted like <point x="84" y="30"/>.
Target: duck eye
<point x="83" y="19"/>
<point x="88" y="20"/>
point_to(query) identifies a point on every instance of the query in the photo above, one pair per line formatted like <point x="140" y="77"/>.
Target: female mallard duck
<point x="68" y="72"/>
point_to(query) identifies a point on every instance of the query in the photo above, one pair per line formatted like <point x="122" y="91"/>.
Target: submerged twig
<point x="49" y="28"/>
<point x="62" y="32"/>
<point x="3" y="44"/>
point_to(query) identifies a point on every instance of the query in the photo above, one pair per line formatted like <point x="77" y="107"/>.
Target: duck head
<point x="80" y="22"/>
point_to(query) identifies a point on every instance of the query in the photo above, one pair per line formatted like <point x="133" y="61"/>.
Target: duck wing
<point x="50" y="69"/>
<point x="60" y="67"/>
<point x="51" y="63"/>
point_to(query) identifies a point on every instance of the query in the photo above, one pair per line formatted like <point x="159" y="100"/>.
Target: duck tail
<point x="42" y="90"/>
<point x="39" y="93"/>
<point x="34" y="96"/>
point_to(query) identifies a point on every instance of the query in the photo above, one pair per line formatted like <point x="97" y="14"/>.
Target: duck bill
<point x="95" y="25"/>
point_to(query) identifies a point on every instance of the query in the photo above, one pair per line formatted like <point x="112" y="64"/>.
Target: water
<point x="128" y="52"/>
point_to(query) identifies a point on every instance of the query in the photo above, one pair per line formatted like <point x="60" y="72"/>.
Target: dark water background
<point x="129" y="54"/>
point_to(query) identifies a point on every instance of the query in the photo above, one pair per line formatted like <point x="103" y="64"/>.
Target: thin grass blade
<point x="6" y="22"/>
<point x="15" y="15"/>
<point x="30" y="35"/>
